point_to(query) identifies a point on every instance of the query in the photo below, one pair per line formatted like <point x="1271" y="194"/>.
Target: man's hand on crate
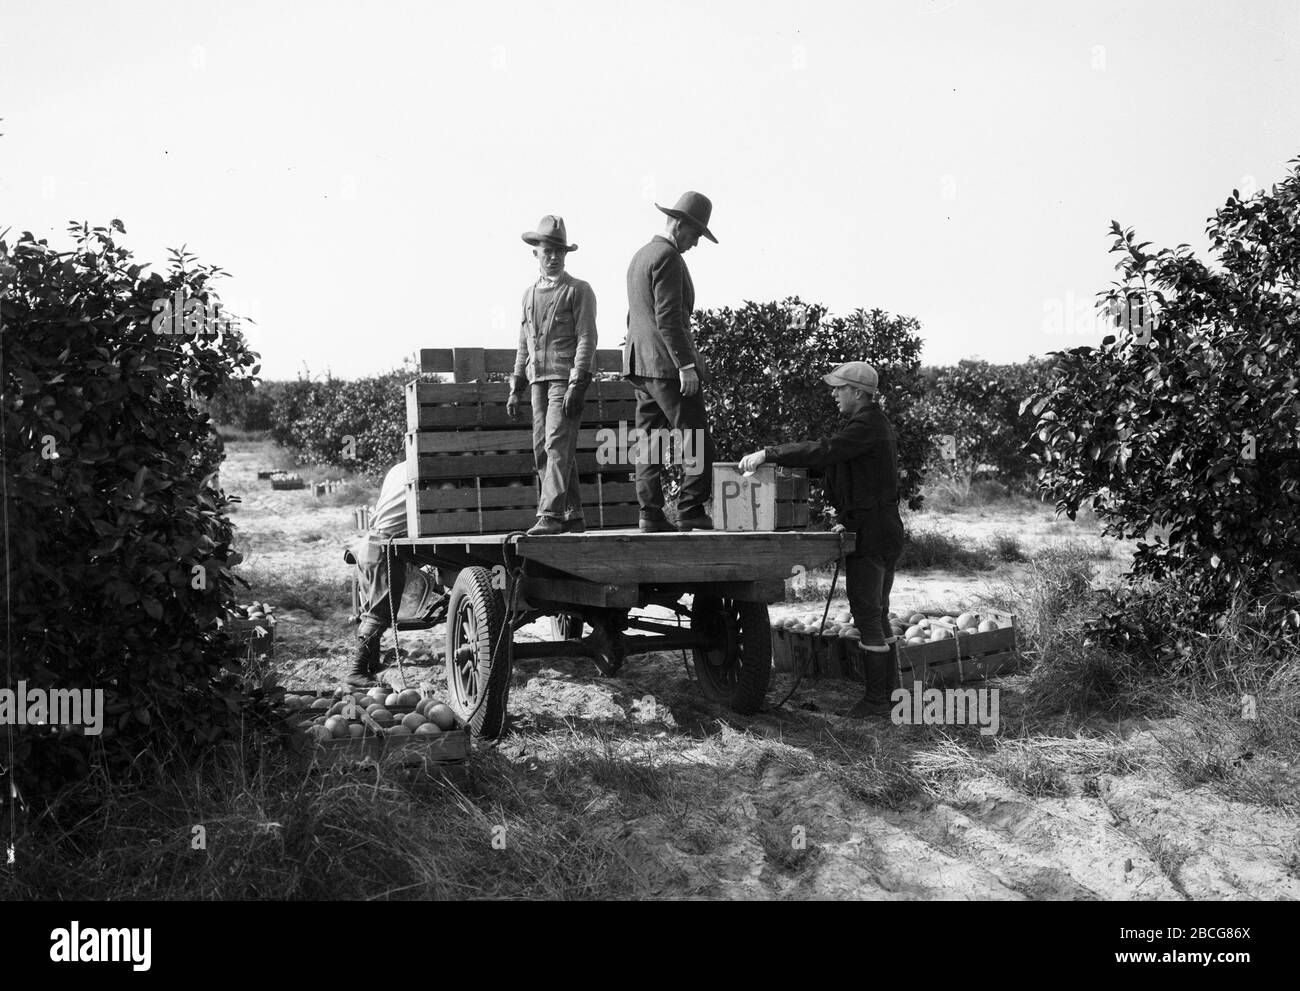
<point x="517" y="386"/>
<point x="751" y="462"/>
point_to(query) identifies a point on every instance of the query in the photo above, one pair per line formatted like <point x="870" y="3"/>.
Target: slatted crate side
<point x="495" y="441"/>
<point x="480" y="507"/>
<point x="433" y="405"/>
<point x="494" y="494"/>
<point x="966" y="657"/>
<point x="816" y="656"/>
<point x="474" y="363"/>
<point x="438" y="524"/>
<point x="433" y="467"/>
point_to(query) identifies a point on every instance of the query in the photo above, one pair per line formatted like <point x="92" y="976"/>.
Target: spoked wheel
<point x="566" y="626"/>
<point x="477" y="668"/>
<point x="736" y="671"/>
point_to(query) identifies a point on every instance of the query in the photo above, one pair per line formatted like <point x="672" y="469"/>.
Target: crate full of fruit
<point x="951" y="647"/>
<point x="370" y="725"/>
<point x="253" y="624"/>
<point x="287" y="480"/>
<point x="803" y="642"/>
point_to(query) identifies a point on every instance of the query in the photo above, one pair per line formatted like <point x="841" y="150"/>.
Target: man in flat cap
<point x="860" y="467"/>
<point x="557" y="346"/>
<point x="661" y="362"/>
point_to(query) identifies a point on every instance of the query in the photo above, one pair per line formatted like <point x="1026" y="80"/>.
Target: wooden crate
<point x="446" y="752"/>
<point x="815" y="656"/>
<point x="259" y="634"/>
<point x="966" y="657"/>
<point x="470" y="466"/>
<point x="772" y="498"/>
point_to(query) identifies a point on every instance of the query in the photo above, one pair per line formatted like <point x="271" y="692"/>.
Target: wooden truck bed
<point x="629" y="557"/>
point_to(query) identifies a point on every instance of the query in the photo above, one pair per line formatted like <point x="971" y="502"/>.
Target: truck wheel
<point x="736" y="671"/>
<point x="477" y="667"/>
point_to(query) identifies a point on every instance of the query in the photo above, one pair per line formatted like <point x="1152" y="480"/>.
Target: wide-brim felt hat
<point x="695" y="209"/>
<point x="550" y="230"/>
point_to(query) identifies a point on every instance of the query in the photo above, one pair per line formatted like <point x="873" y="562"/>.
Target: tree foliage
<point x="766" y="362"/>
<point x="1184" y="436"/>
<point x="979" y="405"/>
<point x="117" y="545"/>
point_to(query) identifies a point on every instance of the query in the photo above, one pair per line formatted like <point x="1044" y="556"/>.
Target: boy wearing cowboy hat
<point x="860" y="467"/>
<point x="661" y="362"/>
<point x="557" y="345"/>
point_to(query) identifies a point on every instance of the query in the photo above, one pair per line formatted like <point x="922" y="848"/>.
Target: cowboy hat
<point x="551" y="230"/>
<point x="695" y="209"/>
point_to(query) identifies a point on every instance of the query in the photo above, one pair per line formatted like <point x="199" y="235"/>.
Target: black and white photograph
<point x="576" y="451"/>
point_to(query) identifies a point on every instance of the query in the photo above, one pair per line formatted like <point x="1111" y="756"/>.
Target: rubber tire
<point x="741" y="681"/>
<point x="474" y="602"/>
<point x="566" y="626"/>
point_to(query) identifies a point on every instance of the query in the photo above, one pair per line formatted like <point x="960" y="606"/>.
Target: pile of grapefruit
<point x="919" y="628"/>
<point x="911" y="629"/>
<point x="838" y="624"/>
<point x="379" y="712"/>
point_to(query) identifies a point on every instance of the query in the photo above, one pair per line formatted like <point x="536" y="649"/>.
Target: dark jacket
<point x="660" y="300"/>
<point x="860" y="466"/>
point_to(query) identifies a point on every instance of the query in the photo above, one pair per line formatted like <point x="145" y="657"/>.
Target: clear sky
<point x="364" y="169"/>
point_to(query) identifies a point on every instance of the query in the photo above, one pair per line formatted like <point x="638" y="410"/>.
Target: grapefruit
<point x="320" y="704"/>
<point x="398" y="730"/>
<point x="356" y="730"/>
<point x="378" y="693"/>
<point x="319" y="734"/>
<point x="967" y="621"/>
<point x="413" y="721"/>
<point x="392" y="699"/>
<point x="988" y="626"/>
<point x="409" y="697"/>
<point x="441" y="716"/>
<point x="381" y="716"/>
<point x="427" y="729"/>
<point x="337" y="726"/>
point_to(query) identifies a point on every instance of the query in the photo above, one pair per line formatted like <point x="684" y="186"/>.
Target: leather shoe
<point x="700" y="522"/>
<point x="546" y="526"/>
<point x="659" y="525"/>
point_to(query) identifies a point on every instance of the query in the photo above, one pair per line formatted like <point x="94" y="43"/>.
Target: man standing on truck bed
<point x="661" y="362"/>
<point x="557" y="346"/>
<point x="860" y="465"/>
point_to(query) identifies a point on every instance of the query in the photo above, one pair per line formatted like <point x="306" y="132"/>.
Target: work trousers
<point x="372" y="585"/>
<point x="555" y="447"/>
<point x="660" y="406"/>
<point x="869" y="575"/>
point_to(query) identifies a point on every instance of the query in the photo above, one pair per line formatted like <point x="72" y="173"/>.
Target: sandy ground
<point x="757" y="808"/>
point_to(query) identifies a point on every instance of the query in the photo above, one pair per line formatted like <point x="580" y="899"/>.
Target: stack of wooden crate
<point x="470" y="465"/>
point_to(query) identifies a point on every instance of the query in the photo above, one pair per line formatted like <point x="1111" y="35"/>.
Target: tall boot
<point x="875" y="699"/>
<point x="365" y="657"/>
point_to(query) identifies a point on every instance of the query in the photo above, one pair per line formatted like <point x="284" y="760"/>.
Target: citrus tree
<point x="766" y="362"/>
<point x="117" y="547"/>
<point x="979" y="406"/>
<point x="1182" y="429"/>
